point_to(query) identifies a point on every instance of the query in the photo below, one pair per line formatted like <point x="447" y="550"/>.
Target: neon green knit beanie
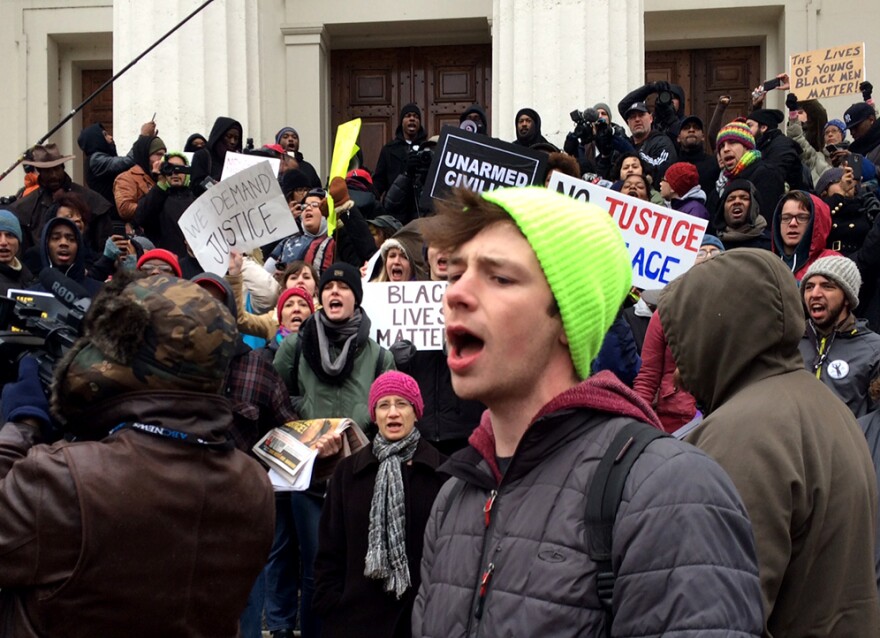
<point x="584" y="259"/>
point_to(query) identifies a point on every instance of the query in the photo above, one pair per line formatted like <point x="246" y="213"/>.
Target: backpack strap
<point x="294" y="372"/>
<point x="457" y="487"/>
<point x="380" y="362"/>
<point x="603" y="501"/>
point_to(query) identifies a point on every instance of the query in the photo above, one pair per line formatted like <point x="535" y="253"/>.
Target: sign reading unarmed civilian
<point x="828" y="72"/>
<point x="237" y="162"/>
<point x="480" y="163"/>
<point x="662" y="242"/>
<point x="243" y="212"/>
<point x="410" y="310"/>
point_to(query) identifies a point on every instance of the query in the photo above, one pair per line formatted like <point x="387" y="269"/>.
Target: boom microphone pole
<point x="101" y="88"/>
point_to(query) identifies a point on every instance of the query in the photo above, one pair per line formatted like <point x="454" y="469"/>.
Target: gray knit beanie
<point x="826" y="179"/>
<point x="842" y="271"/>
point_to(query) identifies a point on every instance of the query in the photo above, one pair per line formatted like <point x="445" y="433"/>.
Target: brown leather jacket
<point x="128" y="188"/>
<point x="136" y="534"/>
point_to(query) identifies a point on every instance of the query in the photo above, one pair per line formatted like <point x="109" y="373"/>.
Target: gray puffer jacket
<point x="847" y="362"/>
<point x="682" y="542"/>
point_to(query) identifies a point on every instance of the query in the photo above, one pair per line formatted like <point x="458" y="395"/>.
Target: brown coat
<point x="792" y="448"/>
<point x="128" y="188"/>
<point x="135" y="535"/>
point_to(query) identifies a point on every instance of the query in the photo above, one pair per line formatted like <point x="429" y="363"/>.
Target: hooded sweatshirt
<point x="755" y="233"/>
<point x="793" y="450"/>
<point x="77" y="270"/>
<point x="392" y="157"/>
<point x="103" y="165"/>
<point x="483" y="124"/>
<point x="535" y="136"/>
<point x="812" y="244"/>
<point x="208" y="161"/>
<point x="160" y="209"/>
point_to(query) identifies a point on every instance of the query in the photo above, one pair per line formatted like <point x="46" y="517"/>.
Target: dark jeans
<point x="306" y="516"/>
<point x="282" y="569"/>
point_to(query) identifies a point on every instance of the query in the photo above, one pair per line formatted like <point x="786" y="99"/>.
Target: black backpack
<point x="603" y="501"/>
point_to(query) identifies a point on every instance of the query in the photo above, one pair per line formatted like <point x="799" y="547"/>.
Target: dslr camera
<point x="168" y="169"/>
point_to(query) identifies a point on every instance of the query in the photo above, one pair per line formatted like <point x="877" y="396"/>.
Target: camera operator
<point x="593" y="139"/>
<point x="668" y="108"/>
<point x="158" y="211"/>
<point x="402" y="197"/>
<point x="150" y="523"/>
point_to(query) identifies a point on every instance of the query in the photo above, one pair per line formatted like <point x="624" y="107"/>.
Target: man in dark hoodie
<point x="288" y="139"/>
<point x="656" y="148"/>
<point x="777" y="150"/>
<point x="103" y="165"/>
<point x="393" y="156"/>
<point x="535" y="280"/>
<point x="477" y="115"/>
<point x="738" y="221"/>
<point x="208" y="161"/>
<point x="792" y="448"/>
<point x="528" y="128"/>
<point x="60" y="248"/>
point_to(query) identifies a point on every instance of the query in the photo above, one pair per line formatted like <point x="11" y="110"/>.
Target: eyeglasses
<point x="157" y="270"/>
<point x="400" y="405"/>
<point x="801" y="219"/>
<point x="710" y="252"/>
<point x="312" y="205"/>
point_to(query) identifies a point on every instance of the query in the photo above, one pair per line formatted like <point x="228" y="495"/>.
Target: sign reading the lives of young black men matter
<point x="828" y="72"/>
<point x="410" y="310"/>
<point x="481" y="163"/>
<point x="662" y="242"/>
<point x="242" y="212"/>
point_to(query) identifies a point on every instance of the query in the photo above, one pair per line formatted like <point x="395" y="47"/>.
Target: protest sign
<point x="237" y="162"/>
<point x="828" y="72"/>
<point x="480" y="163"/>
<point x="662" y="242"/>
<point x="411" y="310"/>
<point x="344" y="149"/>
<point x="243" y="212"/>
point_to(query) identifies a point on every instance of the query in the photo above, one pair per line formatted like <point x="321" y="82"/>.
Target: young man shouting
<point x="535" y="280"/>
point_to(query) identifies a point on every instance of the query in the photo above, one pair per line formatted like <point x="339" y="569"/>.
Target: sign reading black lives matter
<point x="244" y="211"/>
<point x="481" y="163"/>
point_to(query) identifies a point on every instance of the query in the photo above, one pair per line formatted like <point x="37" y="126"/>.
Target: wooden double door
<point x="707" y="74"/>
<point x="374" y="84"/>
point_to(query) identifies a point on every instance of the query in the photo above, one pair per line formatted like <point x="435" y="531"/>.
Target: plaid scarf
<point x="386" y="548"/>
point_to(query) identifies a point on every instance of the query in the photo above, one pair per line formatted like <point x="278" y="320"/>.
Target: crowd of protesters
<point x="765" y="356"/>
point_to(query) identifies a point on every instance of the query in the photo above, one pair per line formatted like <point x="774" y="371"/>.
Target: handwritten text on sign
<point x="243" y="212"/>
<point x="411" y="310"/>
<point x="828" y="72"/>
<point x="663" y="242"/>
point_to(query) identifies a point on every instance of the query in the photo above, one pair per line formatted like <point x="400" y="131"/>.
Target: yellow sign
<point x="343" y="150"/>
<point x="828" y="72"/>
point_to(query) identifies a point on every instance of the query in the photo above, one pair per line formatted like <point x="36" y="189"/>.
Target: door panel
<point x="374" y="84"/>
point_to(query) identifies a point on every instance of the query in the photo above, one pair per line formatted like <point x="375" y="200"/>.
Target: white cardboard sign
<point x="237" y="162"/>
<point x="411" y="310"/>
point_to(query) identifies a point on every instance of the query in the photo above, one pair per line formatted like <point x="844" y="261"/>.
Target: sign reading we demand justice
<point x="662" y="242"/>
<point x="244" y="212"/>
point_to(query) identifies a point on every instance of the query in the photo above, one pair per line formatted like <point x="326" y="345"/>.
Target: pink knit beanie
<point x="394" y="382"/>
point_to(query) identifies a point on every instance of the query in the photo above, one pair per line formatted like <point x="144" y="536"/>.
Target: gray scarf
<point x="340" y="332"/>
<point x="386" y="548"/>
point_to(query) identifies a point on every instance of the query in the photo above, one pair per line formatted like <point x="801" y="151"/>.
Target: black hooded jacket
<point x="869" y="145"/>
<point x="666" y="119"/>
<point x="103" y="163"/>
<point x="158" y="213"/>
<point x="535" y="137"/>
<point x="783" y="154"/>
<point x="483" y="128"/>
<point x="77" y="270"/>
<point x="756" y="234"/>
<point x="392" y="157"/>
<point x="207" y="162"/>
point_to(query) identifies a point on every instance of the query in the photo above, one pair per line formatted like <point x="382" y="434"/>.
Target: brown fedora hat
<point x="47" y="156"/>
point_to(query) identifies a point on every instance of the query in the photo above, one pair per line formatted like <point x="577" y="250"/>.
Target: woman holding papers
<point x="374" y="518"/>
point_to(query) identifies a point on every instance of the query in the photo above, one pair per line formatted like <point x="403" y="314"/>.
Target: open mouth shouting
<point x="464" y="348"/>
<point x="396" y="272"/>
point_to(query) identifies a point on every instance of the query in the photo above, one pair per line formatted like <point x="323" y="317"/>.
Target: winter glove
<point x="25" y="398"/>
<point x="412" y="163"/>
<point x="403" y="352"/>
<point x="111" y="250"/>
<point x="339" y="193"/>
<point x="791" y="102"/>
<point x="661" y="86"/>
<point x="605" y="142"/>
<point x="571" y="144"/>
<point x="621" y="144"/>
<point x="867" y="89"/>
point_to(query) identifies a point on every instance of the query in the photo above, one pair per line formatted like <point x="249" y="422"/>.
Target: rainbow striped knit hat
<point x="584" y="259"/>
<point x="736" y="132"/>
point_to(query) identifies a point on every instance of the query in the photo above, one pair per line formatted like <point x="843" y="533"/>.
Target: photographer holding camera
<point x="593" y="139"/>
<point x="668" y="108"/>
<point x="158" y="211"/>
<point x="403" y="196"/>
<point x="147" y="521"/>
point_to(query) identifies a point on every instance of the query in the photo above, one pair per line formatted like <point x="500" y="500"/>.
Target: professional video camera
<point x="419" y="161"/>
<point x="168" y="169"/>
<point x="588" y="125"/>
<point x="24" y="330"/>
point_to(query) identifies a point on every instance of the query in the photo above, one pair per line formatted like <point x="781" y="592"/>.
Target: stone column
<point x="208" y="68"/>
<point x="558" y="55"/>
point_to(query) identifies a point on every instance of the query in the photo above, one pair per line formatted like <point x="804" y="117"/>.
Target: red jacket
<point x="655" y="382"/>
